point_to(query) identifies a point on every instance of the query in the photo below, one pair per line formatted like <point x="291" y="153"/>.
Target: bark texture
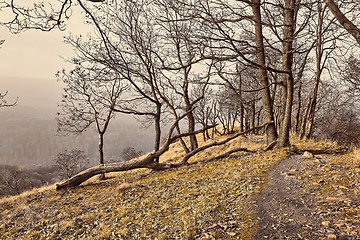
<point x="271" y="132"/>
<point x="343" y="20"/>
<point x="288" y="80"/>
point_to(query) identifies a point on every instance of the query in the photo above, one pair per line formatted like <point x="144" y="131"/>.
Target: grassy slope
<point x="206" y="199"/>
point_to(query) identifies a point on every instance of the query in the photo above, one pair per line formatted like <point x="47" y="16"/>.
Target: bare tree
<point x="71" y="162"/>
<point x="17" y="179"/>
<point x="288" y="46"/>
<point x="262" y="73"/>
<point x="11" y="180"/>
<point x="338" y="116"/>
<point x="287" y="64"/>
<point x="156" y="55"/>
<point x="207" y="113"/>
<point x="238" y="96"/>
<point x="351" y="75"/>
<point x="90" y="95"/>
<point x="129" y="45"/>
<point x="129" y="153"/>
<point x="181" y="59"/>
<point x="327" y="35"/>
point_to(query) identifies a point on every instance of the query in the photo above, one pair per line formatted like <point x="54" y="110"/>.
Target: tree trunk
<point x="297" y="120"/>
<point x="188" y="106"/>
<point x="241" y="117"/>
<point x="284" y="137"/>
<point x="288" y="79"/>
<point x="208" y="112"/>
<point x="190" y="116"/>
<point x="204" y="135"/>
<point x="193" y="140"/>
<point x="233" y="121"/>
<point x="258" y="119"/>
<point x="157" y="129"/>
<point x="183" y="144"/>
<point x="346" y="23"/>
<point x="253" y="115"/>
<point x="262" y="73"/>
<point x="309" y="116"/>
<point x="101" y="153"/>
<point x="310" y="123"/>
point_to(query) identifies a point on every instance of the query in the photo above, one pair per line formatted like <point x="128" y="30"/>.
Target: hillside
<point x="208" y="199"/>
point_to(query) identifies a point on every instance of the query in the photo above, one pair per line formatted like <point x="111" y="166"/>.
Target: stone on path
<point x="308" y="155"/>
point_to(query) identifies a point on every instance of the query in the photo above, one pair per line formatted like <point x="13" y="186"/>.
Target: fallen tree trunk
<point x="90" y="172"/>
<point x="147" y="162"/>
<point x="229" y="154"/>
<point x="342" y="150"/>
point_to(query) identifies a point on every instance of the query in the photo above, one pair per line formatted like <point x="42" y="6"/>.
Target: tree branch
<point x="194" y="152"/>
<point x="343" y="20"/>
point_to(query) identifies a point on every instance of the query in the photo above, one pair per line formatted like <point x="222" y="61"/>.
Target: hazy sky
<point x="30" y="60"/>
<point x="32" y="54"/>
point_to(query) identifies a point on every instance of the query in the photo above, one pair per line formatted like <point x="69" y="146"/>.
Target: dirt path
<point x="285" y="210"/>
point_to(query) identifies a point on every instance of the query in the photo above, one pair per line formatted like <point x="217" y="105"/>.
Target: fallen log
<point x="229" y="154"/>
<point x="146" y="162"/>
<point x="102" y="169"/>
<point x="342" y="150"/>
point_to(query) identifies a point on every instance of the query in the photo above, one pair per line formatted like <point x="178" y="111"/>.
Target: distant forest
<point x="28" y="138"/>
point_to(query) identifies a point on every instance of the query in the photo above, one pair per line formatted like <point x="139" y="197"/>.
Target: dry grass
<point x="203" y="199"/>
<point x="357" y="154"/>
<point x="311" y="144"/>
<point x="27" y="193"/>
<point x="207" y="200"/>
<point x="334" y="180"/>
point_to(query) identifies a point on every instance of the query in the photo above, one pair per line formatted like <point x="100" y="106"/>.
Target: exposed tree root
<point x="271" y="146"/>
